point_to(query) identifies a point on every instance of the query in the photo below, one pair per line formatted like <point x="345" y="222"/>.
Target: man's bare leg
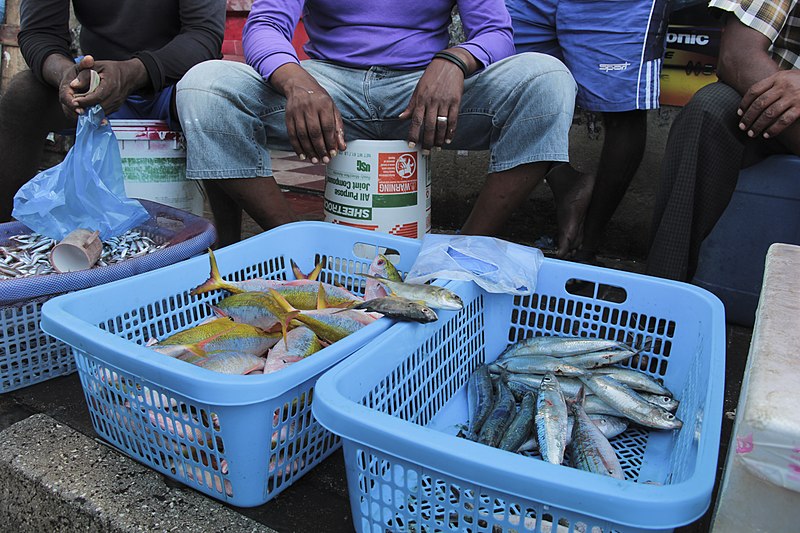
<point x="261" y="198"/>
<point x="623" y="148"/>
<point x="504" y="192"/>
<point x="572" y="192"/>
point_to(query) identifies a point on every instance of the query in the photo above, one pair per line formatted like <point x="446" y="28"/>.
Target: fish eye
<point x="546" y="379"/>
<point x="670" y="416"/>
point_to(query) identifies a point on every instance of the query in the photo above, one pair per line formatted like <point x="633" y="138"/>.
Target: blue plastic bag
<point x="86" y="190"/>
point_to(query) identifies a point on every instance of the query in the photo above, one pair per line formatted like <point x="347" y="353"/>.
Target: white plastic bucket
<point x="154" y="164"/>
<point x="380" y="186"/>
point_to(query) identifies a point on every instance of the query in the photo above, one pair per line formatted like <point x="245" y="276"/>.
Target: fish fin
<point x="322" y="302"/>
<point x="217" y="311"/>
<point x="285" y="314"/>
<point x="214" y="280"/>
<point x="298" y="274"/>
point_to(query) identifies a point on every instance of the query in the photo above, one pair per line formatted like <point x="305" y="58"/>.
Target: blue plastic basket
<point x="27" y="354"/>
<point x="398" y="402"/>
<point x="240" y="439"/>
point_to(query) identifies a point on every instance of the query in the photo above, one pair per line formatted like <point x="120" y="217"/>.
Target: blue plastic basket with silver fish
<point x="239" y="438"/>
<point x="399" y="402"/>
<point x="27" y="354"/>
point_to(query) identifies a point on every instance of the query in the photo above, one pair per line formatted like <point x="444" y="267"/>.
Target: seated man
<point x="750" y="114"/>
<point x="140" y="50"/>
<point x="378" y="71"/>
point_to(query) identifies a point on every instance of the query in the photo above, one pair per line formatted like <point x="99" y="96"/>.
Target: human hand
<point x="433" y="108"/>
<point x="313" y="123"/>
<point x="771" y="105"/>
<point x="118" y="79"/>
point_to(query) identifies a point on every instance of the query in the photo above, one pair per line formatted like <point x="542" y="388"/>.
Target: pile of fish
<point x="559" y="396"/>
<point x="29" y="254"/>
<point x="265" y="325"/>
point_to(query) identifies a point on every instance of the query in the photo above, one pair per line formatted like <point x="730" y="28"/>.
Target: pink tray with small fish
<point x="239" y="438"/>
<point x="27" y="354"/>
<point x="399" y="402"/>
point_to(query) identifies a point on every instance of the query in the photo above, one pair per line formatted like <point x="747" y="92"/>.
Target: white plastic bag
<point x="495" y="265"/>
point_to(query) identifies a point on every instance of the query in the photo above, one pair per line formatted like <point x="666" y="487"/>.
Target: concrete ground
<point x="56" y="475"/>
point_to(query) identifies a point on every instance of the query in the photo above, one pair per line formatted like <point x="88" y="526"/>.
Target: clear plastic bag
<point x="496" y="265"/>
<point x="86" y="190"/>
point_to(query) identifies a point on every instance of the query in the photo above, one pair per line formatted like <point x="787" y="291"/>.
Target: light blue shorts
<point x="520" y="109"/>
<point x="613" y="48"/>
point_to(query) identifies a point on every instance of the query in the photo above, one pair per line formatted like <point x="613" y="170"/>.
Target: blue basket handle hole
<point x="597" y="291"/>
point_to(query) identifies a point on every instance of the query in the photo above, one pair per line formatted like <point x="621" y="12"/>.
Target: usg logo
<point x="687" y="38"/>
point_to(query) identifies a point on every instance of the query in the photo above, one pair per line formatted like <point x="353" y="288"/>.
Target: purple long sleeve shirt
<point x="364" y="33"/>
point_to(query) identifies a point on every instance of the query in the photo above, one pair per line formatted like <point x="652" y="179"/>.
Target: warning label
<point x="397" y="172"/>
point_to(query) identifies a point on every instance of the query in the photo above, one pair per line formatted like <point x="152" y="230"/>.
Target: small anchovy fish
<point x="434" y="296"/>
<point x="630" y="404"/>
<point x="589" y="448"/>
<point x="480" y="400"/>
<point x="551" y="420"/>
<point x="28" y="254"/>
<point x="501" y="415"/>
<point x="401" y="308"/>
<point x="559" y="346"/>
<point x="520" y="427"/>
<point x="610" y="426"/>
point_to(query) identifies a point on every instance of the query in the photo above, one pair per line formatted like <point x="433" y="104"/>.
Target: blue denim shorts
<point x="614" y="48"/>
<point x="520" y="109"/>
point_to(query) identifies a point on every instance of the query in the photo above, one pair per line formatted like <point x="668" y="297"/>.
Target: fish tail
<point x="313" y="275"/>
<point x="214" y="280"/>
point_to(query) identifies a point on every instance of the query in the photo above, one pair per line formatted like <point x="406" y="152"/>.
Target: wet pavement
<point x="318" y="501"/>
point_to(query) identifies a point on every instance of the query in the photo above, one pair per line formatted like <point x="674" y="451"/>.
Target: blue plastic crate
<point x="240" y="439"/>
<point x="27" y="354"/>
<point x="398" y="402"/>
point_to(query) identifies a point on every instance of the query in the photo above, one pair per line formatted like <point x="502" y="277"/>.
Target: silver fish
<point x="666" y="402"/>
<point x="501" y="415"/>
<point x="400" y="308"/>
<point x="599" y="359"/>
<point x="630" y="404"/>
<point x="559" y="346"/>
<point x="610" y="426"/>
<point x="539" y="364"/>
<point x="521" y="426"/>
<point x="480" y="399"/>
<point x="634" y="379"/>
<point x="569" y="386"/>
<point x="551" y="420"/>
<point x="434" y="296"/>
<point x="589" y="448"/>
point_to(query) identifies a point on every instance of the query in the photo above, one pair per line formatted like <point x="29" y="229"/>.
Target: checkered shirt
<point x="778" y="20"/>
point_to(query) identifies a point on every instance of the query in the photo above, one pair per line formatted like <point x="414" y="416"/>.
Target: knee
<point x="25" y="94"/>
<point x="210" y="91"/>
<point x="715" y="99"/>
<point x="547" y="78"/>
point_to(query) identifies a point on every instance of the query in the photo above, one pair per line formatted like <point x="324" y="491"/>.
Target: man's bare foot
<point x="572" y="191"/>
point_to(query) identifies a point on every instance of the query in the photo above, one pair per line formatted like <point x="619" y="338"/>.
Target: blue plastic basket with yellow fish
<point x="399" y="402"/>
<point x="27" y="354"/>
<point x="239" y="438"/>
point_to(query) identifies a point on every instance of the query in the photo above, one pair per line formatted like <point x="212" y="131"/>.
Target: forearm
<point x="741" y="71"/>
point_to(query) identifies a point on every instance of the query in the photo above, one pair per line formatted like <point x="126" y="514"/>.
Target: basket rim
<point x="199" y="234"/>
